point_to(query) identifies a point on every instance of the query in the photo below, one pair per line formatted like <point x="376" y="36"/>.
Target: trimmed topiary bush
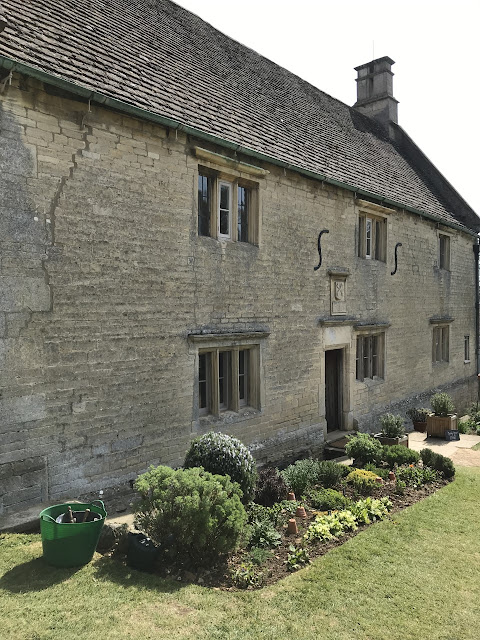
<point x="363" y="481"/>
<point x="438" y="462"/>
<point x="222" y="454"/>
<point x="192" y="514"/>
<point x="363" y="448"/>
<point x="398" y="455"/>
<point x="301" y="476"/>
<point x="271" y="487"/>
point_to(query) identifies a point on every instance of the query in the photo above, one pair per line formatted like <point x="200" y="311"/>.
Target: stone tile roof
<point x="157" y="56"/>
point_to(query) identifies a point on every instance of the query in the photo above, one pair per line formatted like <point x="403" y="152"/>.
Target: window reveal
<point x="440" y="344"/>
<point x="227" y="380"/>
<point x="372" y="237"/>
<point x="444" y="242"/>
<point x="370" y="356"/>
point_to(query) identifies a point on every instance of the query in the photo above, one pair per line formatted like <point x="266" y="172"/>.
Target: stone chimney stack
<point x="375" y="91"/>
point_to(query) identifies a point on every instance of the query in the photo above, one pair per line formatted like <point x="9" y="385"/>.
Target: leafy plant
<point x="392" y="426"/>
<point x="281" y="511"/>
<point x="263" y="534"/>
<point x="418" y="415"/>
<point x="301" y="476"/>
<point x="400" y="487"/>
<point x="378" y="471"/>
<point x="190" y="512"/>
<point x="330" y="473"/>
<point x="323" y="528"/>
<point x="363" y="448"/>
<point x="371" y="509"/>
<point x="221" y="454"/>
<point x="362" y="481"/>
<point x="246" y="575"/>
<point x="327" y="499"/>
<point x="442" y="404"/>
<point x="297" y="558"/>
<point x="416" y="476"/>
<point x="259" y="556"/>
<point x="398" y="455"/>
<point x="270" y="488"/>
<point x="438" y="462"/>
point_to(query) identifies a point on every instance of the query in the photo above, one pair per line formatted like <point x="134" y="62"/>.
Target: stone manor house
<point x="193" y="238"/>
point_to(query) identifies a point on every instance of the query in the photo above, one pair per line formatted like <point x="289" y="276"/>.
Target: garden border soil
<point x="274" y="569"/>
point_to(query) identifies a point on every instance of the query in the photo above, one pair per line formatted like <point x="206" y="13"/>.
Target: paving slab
<point x="458" y="450"/>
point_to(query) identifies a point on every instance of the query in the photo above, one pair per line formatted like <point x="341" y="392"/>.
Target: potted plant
<point x="419" y="418"/>
<point x="393" y="430"/>
<point x="443" y="417"/>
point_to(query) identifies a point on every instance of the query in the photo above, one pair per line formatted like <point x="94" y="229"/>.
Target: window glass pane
<point x="243" y="376"/>
<point x="374" y="342"/>
<point x="368" y="238"/>
<point x="203" y="366"/>
<point x="225" y="199"/>
<point x="358" y="362"/>
<point x="243" y="214"/>
<point x="223" y="378"/>
<point x="366" y="357"/>
<point x="204" y="205"/>
<point x="466" y="355"/>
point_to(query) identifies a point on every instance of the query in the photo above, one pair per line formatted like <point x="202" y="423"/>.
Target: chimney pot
<point x="375" y="91"/>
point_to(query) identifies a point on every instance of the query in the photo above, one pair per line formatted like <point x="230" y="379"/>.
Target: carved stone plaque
<point x="338" y="295"/>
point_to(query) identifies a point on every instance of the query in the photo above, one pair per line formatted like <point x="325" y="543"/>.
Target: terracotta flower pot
<point x="292" y="527"/>
<point x="391" y="475"/>
<point x="301" y="513"/>
<point x="379" y="480"/>
<point x="291" y="495"/>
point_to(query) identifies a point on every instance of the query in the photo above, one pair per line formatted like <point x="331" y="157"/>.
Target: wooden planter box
<point x="391" y="441"/>
<point x="437" y="425"/>
<point x="421" y="427"/>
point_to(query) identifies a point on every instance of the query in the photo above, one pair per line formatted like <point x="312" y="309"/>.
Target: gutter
<point x="144" y="114"/>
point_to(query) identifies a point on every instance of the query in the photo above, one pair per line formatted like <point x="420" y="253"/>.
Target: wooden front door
<point x="333" y="389"/>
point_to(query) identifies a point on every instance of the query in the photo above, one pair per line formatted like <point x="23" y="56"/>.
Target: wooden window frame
<point x="466" y="349"/>
<point x="441" y="343"/>
<point x="370" y="356"/>
<point x="231" y="379"/>
<point x="444" y="251"/>
<point x="372" y="246"/>
<point x="217" y="179"/>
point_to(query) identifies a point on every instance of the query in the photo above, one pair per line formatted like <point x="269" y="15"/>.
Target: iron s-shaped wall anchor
<point x="399" y="244"/>
<point x="320" y="248"/>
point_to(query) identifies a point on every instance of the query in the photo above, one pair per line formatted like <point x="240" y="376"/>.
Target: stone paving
<point x="460" y="451"/>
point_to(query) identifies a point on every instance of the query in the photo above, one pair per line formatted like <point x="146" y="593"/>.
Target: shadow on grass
<point x="34" y="575"/>
<point x="116" y="571"/>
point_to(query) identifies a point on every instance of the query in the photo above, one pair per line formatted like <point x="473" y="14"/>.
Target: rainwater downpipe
<point x="476" y="251"/>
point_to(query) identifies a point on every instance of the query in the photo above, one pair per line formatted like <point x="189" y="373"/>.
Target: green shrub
<point x="270" y="488"/>
<point x="418" y="415"/>
<point x="259" y="555"/>
<point x="301" y="476"/>
<point x="438" y="462"/>
<point x="392" y="426"/>
<point x="327" y="499"/>
<point x="442" y="404"/>
<point x="363" y="448"/>
<point x="330" y="473"/>
<point x="416" y="476"/>
<point x="222" y="454"/>
<point x="465" y="426"/>
<point x="280" y="512"/>
<point x="398" y="454"/>
<point x="190" y="513"/>
<point x="378" y="471"/>
<point x="363" y="481"/>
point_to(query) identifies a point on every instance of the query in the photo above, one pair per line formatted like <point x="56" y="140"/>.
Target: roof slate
<point x="157" y="56"/>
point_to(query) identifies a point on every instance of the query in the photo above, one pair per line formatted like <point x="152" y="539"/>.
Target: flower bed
<point x="189" y="512"/>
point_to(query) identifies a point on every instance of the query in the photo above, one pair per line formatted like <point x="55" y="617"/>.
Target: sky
<point x="435" y="45"/>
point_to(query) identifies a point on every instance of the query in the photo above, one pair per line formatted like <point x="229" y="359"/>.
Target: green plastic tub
<point x="70" y="544"/>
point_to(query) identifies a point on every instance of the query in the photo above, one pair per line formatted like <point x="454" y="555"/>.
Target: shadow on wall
<point x="23" y="290"/>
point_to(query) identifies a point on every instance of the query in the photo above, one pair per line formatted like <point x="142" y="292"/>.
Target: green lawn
<point x="415" y="576"/>
<point x="476" y="447"/>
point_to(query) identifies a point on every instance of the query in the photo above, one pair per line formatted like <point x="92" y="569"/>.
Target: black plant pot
<point x="142" y="552"/>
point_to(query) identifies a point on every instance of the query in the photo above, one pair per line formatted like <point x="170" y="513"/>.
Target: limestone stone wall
<point x="103" y="277"/>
